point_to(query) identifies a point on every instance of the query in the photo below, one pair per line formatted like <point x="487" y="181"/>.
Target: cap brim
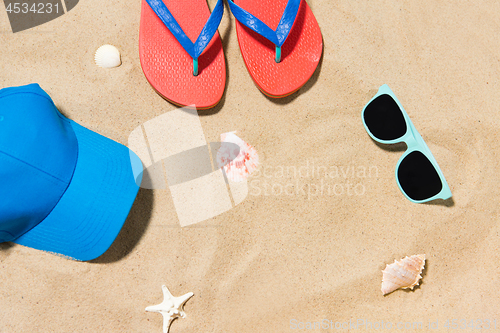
<point x="91" y="213"/>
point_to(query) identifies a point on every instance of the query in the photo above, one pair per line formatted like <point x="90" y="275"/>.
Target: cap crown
<point x="38" y="154"/>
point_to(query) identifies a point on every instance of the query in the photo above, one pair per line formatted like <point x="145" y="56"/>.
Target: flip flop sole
<point x="300" y="54"/>
<point x="169" y="68"/>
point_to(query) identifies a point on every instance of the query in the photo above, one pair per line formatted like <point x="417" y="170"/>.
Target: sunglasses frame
<point x="414" y="142"/>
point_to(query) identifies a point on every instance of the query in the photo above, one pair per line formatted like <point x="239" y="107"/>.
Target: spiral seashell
<point x="107" y="56"/>
<point x="238" y="165"/>
<point x="404" y="273"/>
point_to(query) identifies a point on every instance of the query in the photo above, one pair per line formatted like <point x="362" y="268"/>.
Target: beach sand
<point x="280" y="260"/>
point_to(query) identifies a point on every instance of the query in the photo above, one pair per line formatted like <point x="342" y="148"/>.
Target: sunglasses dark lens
<point x="418" y="177"/>
<point x="384" y="118"/>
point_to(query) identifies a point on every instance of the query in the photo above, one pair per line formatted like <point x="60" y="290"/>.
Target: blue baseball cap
<point x="63" y="188"/>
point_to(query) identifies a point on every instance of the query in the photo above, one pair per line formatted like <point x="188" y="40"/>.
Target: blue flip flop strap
<point x="279" y="36"/>
<point x="206" y="35"/>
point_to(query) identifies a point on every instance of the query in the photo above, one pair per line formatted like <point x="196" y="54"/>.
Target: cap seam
<point x="7" y="232"/>
<point x="34" y="167"/>
<point x="62" y="194"/>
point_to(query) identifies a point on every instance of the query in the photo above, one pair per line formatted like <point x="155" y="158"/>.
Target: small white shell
<point x="240" y="164"/>
<point x="403" y="274"/>
<point x="107" y="56"/>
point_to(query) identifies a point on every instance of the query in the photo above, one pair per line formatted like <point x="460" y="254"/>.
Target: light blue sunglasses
<point x="417" y="173"/>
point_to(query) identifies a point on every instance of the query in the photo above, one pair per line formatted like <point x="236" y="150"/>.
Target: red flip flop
<point x="183" y="72"/>
<point x="280" y="41"/>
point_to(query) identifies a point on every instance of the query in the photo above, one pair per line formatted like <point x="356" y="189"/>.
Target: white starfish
<point x="171" y="307"/>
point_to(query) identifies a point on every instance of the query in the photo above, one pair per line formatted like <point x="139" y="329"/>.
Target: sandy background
<point x="276" y="257"/>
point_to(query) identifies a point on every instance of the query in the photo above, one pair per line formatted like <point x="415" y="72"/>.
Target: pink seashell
<point x="237" y="164"/>
<point x="404" y="273"/>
